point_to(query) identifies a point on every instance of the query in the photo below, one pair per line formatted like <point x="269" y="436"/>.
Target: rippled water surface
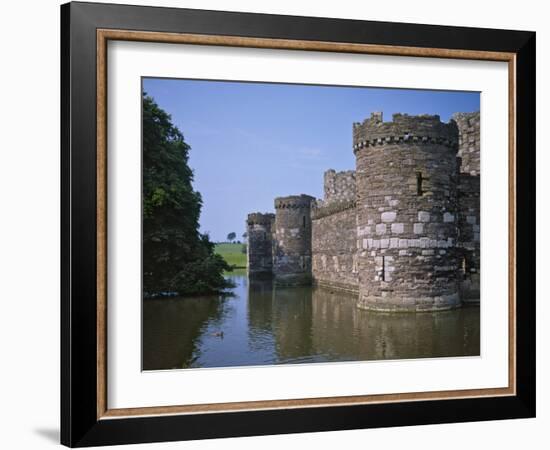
<point x="260" y="324"/>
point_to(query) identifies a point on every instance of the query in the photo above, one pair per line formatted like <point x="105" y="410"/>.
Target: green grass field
<point x="232" y="253"/>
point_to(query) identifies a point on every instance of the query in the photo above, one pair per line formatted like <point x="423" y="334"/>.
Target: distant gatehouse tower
<point x="401" y="232"/>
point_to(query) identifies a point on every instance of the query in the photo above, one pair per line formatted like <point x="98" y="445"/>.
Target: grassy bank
<point x="233" y="254"/>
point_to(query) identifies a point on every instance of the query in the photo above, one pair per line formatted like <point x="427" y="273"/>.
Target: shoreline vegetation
<point x="177" y="258"/>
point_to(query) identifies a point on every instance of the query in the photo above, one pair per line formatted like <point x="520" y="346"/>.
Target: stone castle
<point x="401" y="232"/>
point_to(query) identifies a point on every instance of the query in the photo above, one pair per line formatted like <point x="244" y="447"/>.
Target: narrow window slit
<point x="419" y="183"/>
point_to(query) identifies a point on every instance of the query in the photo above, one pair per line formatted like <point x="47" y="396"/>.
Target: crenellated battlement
<point x="467" y="121"/>
<point x="258" y="218"/>
<point x="294" y="202"/>
<point x="404" y="129"/>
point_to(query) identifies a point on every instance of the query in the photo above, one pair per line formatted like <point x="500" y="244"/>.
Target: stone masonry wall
<point x="469" y="203"/>
<point x="339" y="186"/>
<point x="334" y="233"/>
<point x="334" y="250"/>
<point x="292" y="246"/>
<point x="260" y="242"/>
<point x="469" y="236"/>
<point x="407" y="213"/>
<point x="468" y="141"/>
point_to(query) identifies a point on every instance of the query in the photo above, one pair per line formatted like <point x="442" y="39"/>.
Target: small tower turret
<point x="259" y="229"/>
<point x="292" y="246"/>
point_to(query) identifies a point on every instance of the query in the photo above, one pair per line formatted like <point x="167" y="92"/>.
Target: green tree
<point x="176" y="256"/>
<point x="231" y="236"/>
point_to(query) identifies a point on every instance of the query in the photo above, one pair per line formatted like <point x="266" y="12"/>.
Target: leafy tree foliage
<point x="176" y="256"/>
<point x="231" y="236"/>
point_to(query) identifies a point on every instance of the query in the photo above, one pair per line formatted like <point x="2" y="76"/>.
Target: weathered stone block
<point x="381" y="228"/>
<point x="418" y="228"/>
<point x="423" y="216"/>
<point x="397" y="228"/>
<point x="448" y="217"/>
<point x="362" y="231"/>
<point x="414" y="242"/>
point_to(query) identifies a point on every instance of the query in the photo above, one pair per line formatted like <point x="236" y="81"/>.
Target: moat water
<point x="260" y="324"/>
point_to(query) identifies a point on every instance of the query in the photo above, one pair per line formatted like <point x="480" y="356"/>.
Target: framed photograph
<point x="277" y="224"/>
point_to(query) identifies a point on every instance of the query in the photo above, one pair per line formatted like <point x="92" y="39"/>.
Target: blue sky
<point x="252" y="142"/>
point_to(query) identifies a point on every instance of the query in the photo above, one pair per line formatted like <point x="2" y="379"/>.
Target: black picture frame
<point x="80" y="425"/>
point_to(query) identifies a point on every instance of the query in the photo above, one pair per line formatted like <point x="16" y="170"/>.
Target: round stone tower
<point x="292" y="245"/>
<point x="407" y="213"/>
<point x="259" y="228"/>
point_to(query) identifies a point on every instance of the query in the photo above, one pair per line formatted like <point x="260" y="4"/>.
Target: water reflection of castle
<point x="317" y="325"/>
<point x="266" y="324"/>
